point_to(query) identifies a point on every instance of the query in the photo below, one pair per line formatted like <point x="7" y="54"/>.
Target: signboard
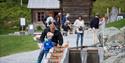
<point x="22" y="22"/>
<point x="30" y="26"/>
<point x="31" y="29"/>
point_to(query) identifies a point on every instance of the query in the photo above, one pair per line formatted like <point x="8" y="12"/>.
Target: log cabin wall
<point x="42" y="14"/>
<point x="73" y="7"/>
<point x="78" y="7"/>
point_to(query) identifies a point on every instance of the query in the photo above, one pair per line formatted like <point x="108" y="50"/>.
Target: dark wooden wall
<point x="78" y="7"/>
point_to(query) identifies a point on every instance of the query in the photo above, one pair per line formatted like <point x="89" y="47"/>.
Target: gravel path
<point x="25" y="57"/>
<point x="31" y="56"/>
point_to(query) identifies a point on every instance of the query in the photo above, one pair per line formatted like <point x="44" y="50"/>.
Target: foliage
<point x="14" y="44"/>
<point x="118" y="24"/>
<point x="11" y="11"/>
<point x="9" y="16"/>
<point x="100" y="6"/>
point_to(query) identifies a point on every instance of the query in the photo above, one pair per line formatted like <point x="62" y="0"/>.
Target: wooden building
<point x="40" y="9"/>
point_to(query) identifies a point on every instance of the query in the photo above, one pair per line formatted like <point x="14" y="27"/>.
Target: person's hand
<point x="40" y="45"/>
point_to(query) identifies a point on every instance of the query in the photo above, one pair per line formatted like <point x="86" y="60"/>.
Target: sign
<point x="31" y="29"/>
<point x="22" y="22"/>
<point x="30" y="26"/>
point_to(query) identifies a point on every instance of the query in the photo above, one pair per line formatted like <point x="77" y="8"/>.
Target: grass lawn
<point x="117" y="24"/>
<point x="15" y="44"/>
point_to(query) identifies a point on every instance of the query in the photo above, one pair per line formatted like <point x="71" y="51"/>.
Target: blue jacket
<point x="47" y="45"/>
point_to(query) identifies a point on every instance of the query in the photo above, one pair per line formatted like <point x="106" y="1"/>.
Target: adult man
<point x="57" y="38"/>
<point x="95" y="22"/>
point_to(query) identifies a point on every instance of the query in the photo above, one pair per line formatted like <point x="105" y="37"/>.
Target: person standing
<point x="58" y="22"/>
<point x="95" y="22"/>
<point x="49" y="19"/>
<point x="57" y="38"/>
<point x="79" y="24"/>
<point x="102" y="23"/>
<point x="67" y="27"/>
<point x="63" y="20"/>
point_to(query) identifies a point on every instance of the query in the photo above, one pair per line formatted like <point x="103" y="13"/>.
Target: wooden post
<point x="108" y="15"/>
<point x="108" y="12"/>
<point x="119" y="10"/>
<point x="21" y="2"/>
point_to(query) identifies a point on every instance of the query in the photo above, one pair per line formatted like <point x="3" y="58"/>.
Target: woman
<point x="102" y="23"/>
<point x="79" y="24"/>
<point x="58" y="22"/>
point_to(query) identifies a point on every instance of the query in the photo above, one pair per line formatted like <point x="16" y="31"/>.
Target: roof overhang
<point x="44" y="4"/>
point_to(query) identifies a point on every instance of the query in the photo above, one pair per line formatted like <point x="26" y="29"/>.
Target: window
<point x="40" y="16"/>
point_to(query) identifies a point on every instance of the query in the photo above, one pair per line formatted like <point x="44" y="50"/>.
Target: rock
<point x="16" y="33"/>
<point x="122" y="29"/>
<point x="112" y="33"/>
<point x="120" y="58"/>
<point x="115" y="49"/>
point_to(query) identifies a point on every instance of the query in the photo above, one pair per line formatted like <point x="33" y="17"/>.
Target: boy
<point x="47" y="45"/>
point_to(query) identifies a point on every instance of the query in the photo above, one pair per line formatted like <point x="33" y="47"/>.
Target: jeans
<point x="42" y="52"/>
<point x="79" y="35"/>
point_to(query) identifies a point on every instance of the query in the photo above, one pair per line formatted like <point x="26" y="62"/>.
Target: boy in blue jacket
<point x="55" y="36"/>
<point x="47" y="45"/>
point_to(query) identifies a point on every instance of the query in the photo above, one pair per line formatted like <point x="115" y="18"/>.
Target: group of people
<point x="61" y="22"/>
<point x="52" y="36"/>
<point x="98" y="23"/>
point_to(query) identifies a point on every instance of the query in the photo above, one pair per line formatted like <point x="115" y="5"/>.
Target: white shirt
<point x="79" y="23"/>
<point x="102" y="24"/>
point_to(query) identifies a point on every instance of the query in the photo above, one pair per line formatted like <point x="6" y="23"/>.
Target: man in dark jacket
<point x="95" y="22"/>
<point x="57" y="38"/>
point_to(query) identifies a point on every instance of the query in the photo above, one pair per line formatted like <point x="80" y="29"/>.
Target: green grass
<point x="117" y="24"/>
<point x="15" y="44"/>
